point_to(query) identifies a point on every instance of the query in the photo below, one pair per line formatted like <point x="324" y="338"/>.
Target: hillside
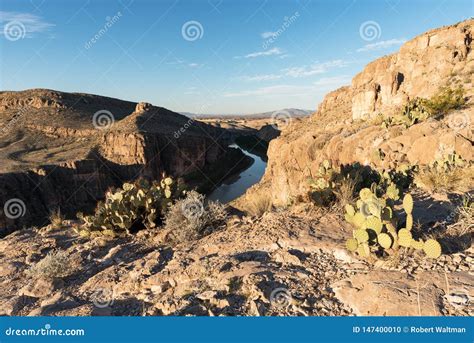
<point x="347" y="126"/>
<point x="64" y="150"/>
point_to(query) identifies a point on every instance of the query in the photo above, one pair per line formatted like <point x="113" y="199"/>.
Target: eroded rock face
<point x="337" y="132"/>
<point x="418" y="70"/>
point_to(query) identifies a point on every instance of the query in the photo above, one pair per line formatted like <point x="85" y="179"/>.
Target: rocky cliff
<point x="63" y="150"/>
<point x="345" y="129"/>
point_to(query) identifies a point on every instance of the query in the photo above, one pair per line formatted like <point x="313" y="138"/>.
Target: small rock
<point x="7" y="269"/>
<point x="207" y="295"/>
<point x="104" y="311"/>
<point x="142" y="107"/>
<point x="41" y="287"/>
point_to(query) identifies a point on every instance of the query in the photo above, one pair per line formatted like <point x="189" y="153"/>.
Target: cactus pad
<point x="408" y="203"/>
<point x="361" y="235"/>
<point x="392" y="192"/>
<point x="418" y="245"/>
<point x="404" y="238"/>
<point x="350" y="210"/>
<point x="363" y="250"/>
<point x="409" y="222"/>
<point x="374" y="223"/>
<point x="352" y="244"/>
<point x="384" y="240"/>
<point x="365" y="194"/>
<point x="359" y="220"/>
<point x="432" y="248"/>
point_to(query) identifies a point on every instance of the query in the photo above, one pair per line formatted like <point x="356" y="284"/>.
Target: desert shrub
<point x="259" y="203"/>
<point x="377" y="228"/>
<point x="446" y="174"/>
<point x="192" y="217"/>
<point x="459" y="233"/>
<point x="56" y="218"/>
<point x="126" y="210"/>
<point x="446" y="100"/>
<point x="55" y="264"/>
<point x="333" y="184"/>
<point x="419" y="109"/>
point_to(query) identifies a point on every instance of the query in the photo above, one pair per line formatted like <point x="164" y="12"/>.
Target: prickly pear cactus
<point x="128" y="209"/>
<point x="376" y="226"/>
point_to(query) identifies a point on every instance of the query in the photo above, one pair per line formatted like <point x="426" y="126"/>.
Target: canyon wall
<point x="68" y="164"/>
<point x="343" y="130"/>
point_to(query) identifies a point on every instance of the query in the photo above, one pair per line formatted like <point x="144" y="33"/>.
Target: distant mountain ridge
<point x="292" y="112"/>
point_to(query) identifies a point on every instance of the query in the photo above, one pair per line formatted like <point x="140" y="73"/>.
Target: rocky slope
<point x="343" y="128"/>
<point x="284" y="263"/>
<point x="62" y="150"/>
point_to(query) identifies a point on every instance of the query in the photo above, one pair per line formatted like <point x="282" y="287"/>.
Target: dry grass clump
<point x="55" y="264"/>
<point x="56" y="218"/>
<point x="346" y="190"/>
<point x="451" y="180"/>
<point x="458" y="235"/>
<point x="192" y="217"/>
<point x="260" y="203"/>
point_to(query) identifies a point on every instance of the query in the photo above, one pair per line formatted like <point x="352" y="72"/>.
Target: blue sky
<point x="213" y="56"/>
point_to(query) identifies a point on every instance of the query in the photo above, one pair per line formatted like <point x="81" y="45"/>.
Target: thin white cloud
<point x="315" y="68"/>
<point x="175" y="61"/>
<point x="194" y="65"/>
<point x="320" y="87"/>
<point x="270" y="52"/>
<point x="30" y="23"/>
<point x="298" y="72"/>
<point x="382" y="44"/>
<point x="261" y="77"/>
<point x="332" y="82"/>
<point x="268" y="34"/>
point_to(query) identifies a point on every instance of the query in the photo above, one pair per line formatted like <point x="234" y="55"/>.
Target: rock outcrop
<point x="342" y="129"/>
<point x="422" y="65"/>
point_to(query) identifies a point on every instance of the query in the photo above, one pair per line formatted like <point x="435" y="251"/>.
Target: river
<point x="236" y="185"/>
